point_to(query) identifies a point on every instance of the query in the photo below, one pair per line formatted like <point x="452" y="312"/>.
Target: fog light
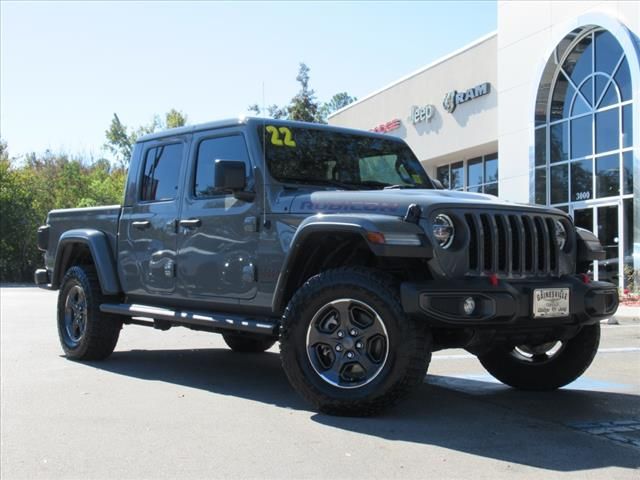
<point x="469" y="305"/>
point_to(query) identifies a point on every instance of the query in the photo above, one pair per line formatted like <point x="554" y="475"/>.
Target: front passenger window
<point x="220" y="148"/>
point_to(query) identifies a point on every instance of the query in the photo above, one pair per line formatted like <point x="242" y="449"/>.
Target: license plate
<point x="550" y="302"/>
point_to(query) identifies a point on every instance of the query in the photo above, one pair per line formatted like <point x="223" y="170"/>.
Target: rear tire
<point x="85" y="332"/>
<point x="247" y="343"/>
<point x="544" y="367"/>
<point x="348" y="347"/>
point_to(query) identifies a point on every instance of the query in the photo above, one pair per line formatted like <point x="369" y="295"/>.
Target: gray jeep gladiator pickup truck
<point x="335" y="243"/>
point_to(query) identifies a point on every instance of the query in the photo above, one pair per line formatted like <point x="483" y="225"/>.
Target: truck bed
<point x="104" y="219"/>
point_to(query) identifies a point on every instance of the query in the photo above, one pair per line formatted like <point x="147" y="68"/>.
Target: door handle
<point x="141" y="224"/>
<point x="190" y="223"/>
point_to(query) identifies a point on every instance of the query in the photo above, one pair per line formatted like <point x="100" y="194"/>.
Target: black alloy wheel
<point x="347" y="343"/>
<point x="348" y="347"/>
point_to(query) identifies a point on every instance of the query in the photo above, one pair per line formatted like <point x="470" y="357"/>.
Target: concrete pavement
<point x="179" y="404"/>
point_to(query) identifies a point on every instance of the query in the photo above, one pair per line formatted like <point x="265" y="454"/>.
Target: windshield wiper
<point x="392" y="187"/>
<point x="384" y="185"/>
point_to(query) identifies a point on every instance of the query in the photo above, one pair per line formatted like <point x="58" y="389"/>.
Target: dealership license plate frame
<point x="551" y="302"/>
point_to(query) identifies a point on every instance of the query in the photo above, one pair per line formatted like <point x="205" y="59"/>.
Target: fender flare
<point x="358" y="225"/>
<point x="101" y="253"/>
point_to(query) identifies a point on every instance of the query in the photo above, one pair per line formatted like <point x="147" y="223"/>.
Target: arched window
<point x="583" y="157"/>
<point x="586" y="128"/>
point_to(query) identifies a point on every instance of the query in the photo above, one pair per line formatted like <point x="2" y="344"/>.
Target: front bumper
<point x="509" y="303"/>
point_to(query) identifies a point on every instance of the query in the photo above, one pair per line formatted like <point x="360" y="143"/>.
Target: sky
<point x="67" y="67"/>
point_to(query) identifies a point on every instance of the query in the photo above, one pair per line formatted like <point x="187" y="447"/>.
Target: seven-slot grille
<point x="512" y="244"/>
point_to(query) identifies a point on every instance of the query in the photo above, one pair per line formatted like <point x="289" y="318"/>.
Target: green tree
<point x="119" y="141"/>
<point x="175" y="119"/>
<point x="272" y="111"/>
<point x="29" y="189"/>
<point x="338" y="101"/>
<point x="18" y="253"/>
<point x="120" y="138"/>
<point x="304" y="106"/>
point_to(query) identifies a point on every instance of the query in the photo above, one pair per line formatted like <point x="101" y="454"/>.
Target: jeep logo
<point x="454" y="98"/>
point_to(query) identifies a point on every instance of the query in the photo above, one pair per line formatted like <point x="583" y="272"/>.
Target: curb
<point x="624" y="316"/>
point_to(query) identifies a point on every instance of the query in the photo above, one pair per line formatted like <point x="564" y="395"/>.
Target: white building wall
<point x="527" y="32"/>
<point x="470" y="130"/>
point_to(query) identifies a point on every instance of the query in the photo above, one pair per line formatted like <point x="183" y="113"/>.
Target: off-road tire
<point x="101" y="330"/>
<point x="247" y="343"/>
<point x="505" y="364"/>
<point x="409" y="343"/>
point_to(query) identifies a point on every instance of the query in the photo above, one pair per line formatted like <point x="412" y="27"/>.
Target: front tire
<point x="544" y="367"/>
<point x="85" y="332"/>
<point x="348" y="347"/>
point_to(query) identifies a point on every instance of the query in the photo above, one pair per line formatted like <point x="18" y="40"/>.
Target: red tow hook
<point x="585" y="278"/>
<point x="493" y="279"/>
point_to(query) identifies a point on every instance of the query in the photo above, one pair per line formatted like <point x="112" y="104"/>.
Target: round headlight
<point x="561" y="234"/>
<point x="443" y="230"/>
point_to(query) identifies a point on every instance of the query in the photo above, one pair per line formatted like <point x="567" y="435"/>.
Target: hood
<point x="395" y="202"/>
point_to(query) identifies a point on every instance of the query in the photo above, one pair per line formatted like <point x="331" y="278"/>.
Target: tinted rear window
<point x="161" y="172"/>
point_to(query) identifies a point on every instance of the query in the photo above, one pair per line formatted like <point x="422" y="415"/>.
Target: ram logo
<point x="449" y="102"/>
<point x="455" y="98"/>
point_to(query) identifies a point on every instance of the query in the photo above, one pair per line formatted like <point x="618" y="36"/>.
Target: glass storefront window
<point x="541" y="146"/>
<point x="627" y="126"/>
<point x="607" y="131"/>
<point x="559" y="184"/>
<point x="442" y="174"/>
<point x="563" y="89"/>
<point x="610" y="96"/>
<point x="559" y="142"/>
<point x="475" y="172"/>
<point x="586" y="91"/>
<point x="491" y="168"/>
<point x="491" y="189"/>
<point x="581" y="180"/>
<point x="627" y="172"/>
<point x="456" y="178"/>
<point x="608" y="52"/>
<point x="541" y="186"/>
<point x="578" y="63"/>
<point x="608" y="176"/>
<point x="581" y="137"/>
<point x="630" y="275"/>
<point x="623" y="79"/>
<point x="481" y="175"/>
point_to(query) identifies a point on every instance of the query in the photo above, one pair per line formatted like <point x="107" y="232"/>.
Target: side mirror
<point x="229" y="175"/>
<point x="437" y="183"/>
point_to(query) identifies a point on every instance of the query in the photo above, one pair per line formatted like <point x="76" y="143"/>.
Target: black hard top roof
<point x="230" y="122"/>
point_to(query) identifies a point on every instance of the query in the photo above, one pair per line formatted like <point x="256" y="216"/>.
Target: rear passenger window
<point x="219" y="148"/>
<point x="161" y="172"/>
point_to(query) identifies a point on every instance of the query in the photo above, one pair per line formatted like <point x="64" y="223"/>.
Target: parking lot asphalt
<point x="179" y="404"/>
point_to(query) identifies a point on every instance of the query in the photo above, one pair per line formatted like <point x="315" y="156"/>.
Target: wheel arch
<point x="81" y="246"/>
<point x="324" y="242"/>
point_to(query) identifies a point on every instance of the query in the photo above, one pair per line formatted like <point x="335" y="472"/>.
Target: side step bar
<point x="215" y="321"/>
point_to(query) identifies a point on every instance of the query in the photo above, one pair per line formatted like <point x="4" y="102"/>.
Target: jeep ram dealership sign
<point x="387" y="127"/>
<point x="455" y="98"/>
<point x="422" y="114"/>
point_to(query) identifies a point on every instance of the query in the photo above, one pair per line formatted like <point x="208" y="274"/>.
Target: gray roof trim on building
<point x="469" y="46"/>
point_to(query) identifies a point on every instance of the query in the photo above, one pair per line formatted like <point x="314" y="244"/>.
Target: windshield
<point x="313" y="156"/>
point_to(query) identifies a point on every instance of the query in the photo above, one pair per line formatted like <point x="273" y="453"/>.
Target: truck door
<point x="148" y="227"/>
<point x="218" y="238"/>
